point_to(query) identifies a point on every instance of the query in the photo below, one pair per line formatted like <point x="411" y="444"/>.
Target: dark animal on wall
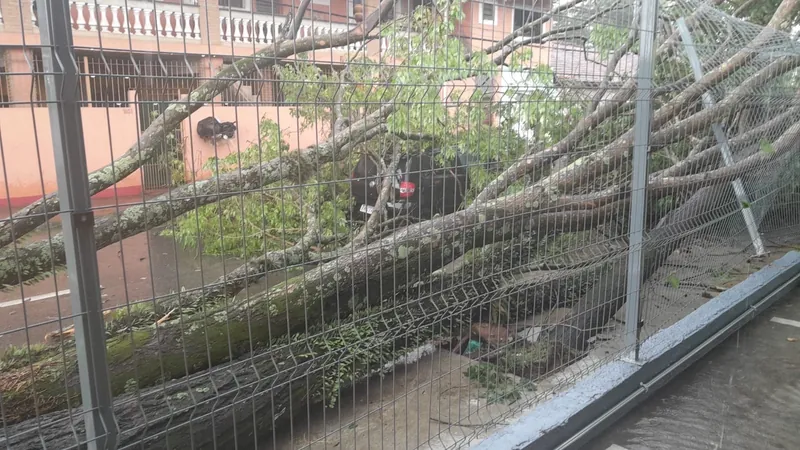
<point x="212" y="129"/>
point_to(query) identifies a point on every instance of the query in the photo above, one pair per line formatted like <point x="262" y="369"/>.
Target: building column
<point x="209" y="22"/>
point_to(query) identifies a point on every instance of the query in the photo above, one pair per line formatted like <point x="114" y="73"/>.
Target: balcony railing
<point x="137" y="17"/>
<point x="244" y="27"/>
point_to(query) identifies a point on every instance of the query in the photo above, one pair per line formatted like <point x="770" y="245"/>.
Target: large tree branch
<point x="681" y="177"/>
<point x="150" y="141"/>
<point x="294" y="26"/>
<point x="590" y="166"/>
<point x="550" y="35"/>
<point x="532" y="161"/>
<point x="383" y="197"/>
<point x="785" y="144"/>
<point x="711" y="155"/>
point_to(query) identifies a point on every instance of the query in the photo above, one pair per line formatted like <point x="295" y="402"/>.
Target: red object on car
<point x="407" y="189"/>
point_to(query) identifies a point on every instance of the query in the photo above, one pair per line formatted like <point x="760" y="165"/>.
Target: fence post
<point x="63" y="90"/>
<point x="722" y="139"/>
<point x="641" y="144"/>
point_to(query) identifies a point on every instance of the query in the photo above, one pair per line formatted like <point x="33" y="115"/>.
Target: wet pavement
<point x="744" y="395"/>
<point x="139" y="269"/>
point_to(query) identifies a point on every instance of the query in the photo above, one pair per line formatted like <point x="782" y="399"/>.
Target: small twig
<point x="451" y="424"/>
<point x="741" y="8"/>
<point x="293" y="25"/>
<point x="520" y="32"/>
<point x="383" y="197"/>
<point x="414" y="136"/>
<point x="167" y="317"/>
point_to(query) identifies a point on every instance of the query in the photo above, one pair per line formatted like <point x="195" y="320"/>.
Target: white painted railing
<point x="244" y="27"/>
<point x="137" y="17"/>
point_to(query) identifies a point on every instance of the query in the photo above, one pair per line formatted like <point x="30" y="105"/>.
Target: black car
<point x="423" y="186"/>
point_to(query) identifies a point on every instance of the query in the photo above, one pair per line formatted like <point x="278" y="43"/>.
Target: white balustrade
<point x="103" y="18"/>
<point x="244" y="27"/>
<point x="137" y="24"/>
<point x="93" y="10"/>
<point x="165" y="20"/>
<point x="81" y="19"/>
<point x="116" y="25"/>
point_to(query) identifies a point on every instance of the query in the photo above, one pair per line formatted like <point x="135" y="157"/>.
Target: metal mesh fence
<point x="362" y="224"/>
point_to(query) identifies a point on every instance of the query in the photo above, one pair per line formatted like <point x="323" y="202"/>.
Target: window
<point x="235" y="4"/>
<point x="523" y="17"/>
<point x="488" y="14"/>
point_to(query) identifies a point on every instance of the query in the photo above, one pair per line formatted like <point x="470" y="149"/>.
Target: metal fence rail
<point x="347" y="224"/>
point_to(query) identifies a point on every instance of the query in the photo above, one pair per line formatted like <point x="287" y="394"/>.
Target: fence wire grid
<point x="362" y="224"/>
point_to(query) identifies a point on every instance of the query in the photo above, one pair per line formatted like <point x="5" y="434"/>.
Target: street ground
<point x="744" y="395"/>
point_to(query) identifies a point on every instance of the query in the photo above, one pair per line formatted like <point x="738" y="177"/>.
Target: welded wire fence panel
<point x="349" y="224"/>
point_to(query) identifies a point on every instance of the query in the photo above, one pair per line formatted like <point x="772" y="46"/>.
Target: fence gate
<point x="158" y="173"/>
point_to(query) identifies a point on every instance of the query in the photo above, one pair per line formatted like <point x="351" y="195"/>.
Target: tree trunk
<point x="256" y="393"/>
<point x="187" y="344"/>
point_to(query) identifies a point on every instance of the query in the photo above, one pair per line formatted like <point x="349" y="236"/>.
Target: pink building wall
<point x="247" y="118"/>
<point x="27" y="145"/>
<point x="108" y="133"/>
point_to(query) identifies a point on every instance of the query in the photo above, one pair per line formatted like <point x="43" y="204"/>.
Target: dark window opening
<point x="487" y="12"/>
<point x="525" y="16"/>
<point x="236" y="4"/>
<point x="109" y="81"/>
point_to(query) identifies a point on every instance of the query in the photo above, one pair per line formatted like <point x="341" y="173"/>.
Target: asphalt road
<point x="744" y="395"/>
<point x="138" y="269"/>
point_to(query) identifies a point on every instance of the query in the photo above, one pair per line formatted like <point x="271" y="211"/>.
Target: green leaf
<point x="673" y="281"/>
<point x="766" y="147"/>
<point x="745" y="205"/>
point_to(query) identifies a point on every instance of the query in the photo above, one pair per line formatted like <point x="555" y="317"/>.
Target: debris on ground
<point x="494" y="335"/>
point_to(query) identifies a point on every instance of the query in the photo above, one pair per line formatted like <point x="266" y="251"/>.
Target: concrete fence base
<point x="570" y="419"/>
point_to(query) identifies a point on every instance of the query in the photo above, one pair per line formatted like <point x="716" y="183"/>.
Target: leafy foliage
<point x="606" y="39"/>
<point x="268" y="219"/>
<point x="499" y="387"/>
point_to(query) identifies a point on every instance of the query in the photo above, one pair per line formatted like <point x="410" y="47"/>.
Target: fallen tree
<point x="194" y="333"/>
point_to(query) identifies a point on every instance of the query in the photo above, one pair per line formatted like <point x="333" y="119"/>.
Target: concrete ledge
<point x="573" y="417"/>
